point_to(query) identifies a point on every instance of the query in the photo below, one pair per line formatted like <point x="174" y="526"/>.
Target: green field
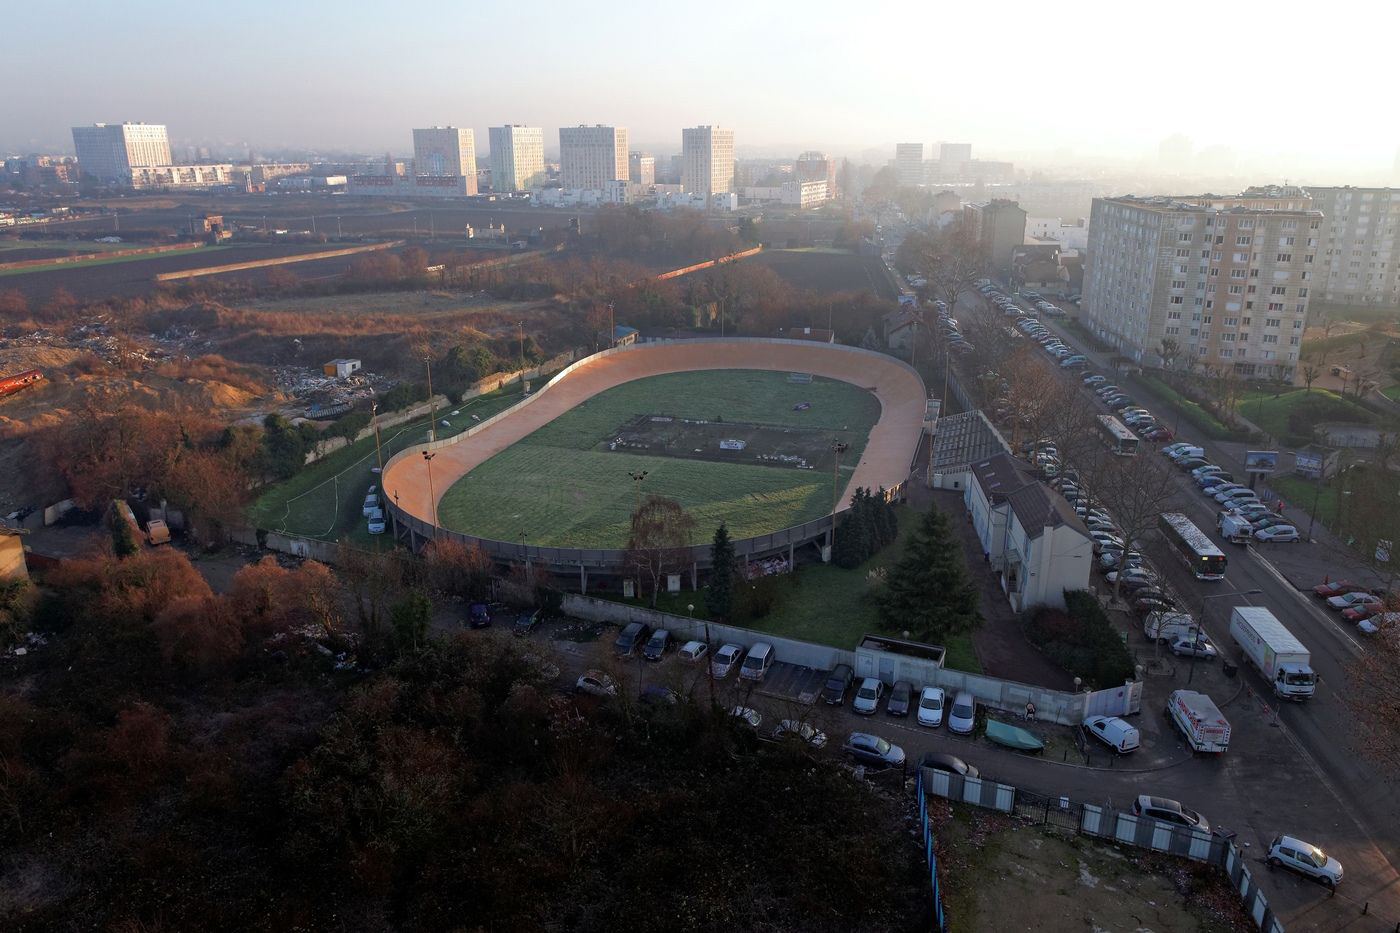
<point x="561" y="486"/>
<point x="323" y="501"/>
<point x="88" y="263"/>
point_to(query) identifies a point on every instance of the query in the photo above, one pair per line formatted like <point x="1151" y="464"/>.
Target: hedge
<point x="1081" y="639"/>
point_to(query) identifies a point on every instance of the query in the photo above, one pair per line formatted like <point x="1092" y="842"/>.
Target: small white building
<point x="804" y="195"/>
<point x="1030" y="535"/>
<point x="341" y="368"/>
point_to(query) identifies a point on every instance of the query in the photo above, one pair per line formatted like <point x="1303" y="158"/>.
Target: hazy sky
<point x="1300" y="85"/>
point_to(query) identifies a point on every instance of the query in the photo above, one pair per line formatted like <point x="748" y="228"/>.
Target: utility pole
<point x="313" y="223"/>
<point x="432" y="409"/>
<point x="337" y="228"/>
<point x="432" y="496"/>
<point x="374" y="420"/>
<point x="521" y="325"/>
<point x="612" y="327"/>
<point x="838" y="448"/>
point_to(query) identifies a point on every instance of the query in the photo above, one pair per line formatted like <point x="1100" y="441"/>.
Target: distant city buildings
<point x="641" y="168"/>
<point x="997" y="226"/>
<point x="1226" y="279"/>
<point x="108" y="152"/>
<point x="517" y="158"/>
<point x="953" y="158"/>
<point x="707" y="160"/>
<point x="1358" y="252"/>
<point x="592" y="156"/>
<point x="444" y="150"/>
<point x="1068" y="236"/>
<point x="816" y="166"/>
<point x="909" y="164"/>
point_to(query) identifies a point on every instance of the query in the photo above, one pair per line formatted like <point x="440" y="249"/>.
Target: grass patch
<point x="1392" y="392"/>
<point x="1291" y="414"/>
<point x="1299" y="494"/>
<point x="1086" y="335"/>
<point x="323" y="501"/>
<point x="87" y="263"/>
<point x="1193" y="412"/>
<point x="824" y="604"/>
<point x="561" y="486"/>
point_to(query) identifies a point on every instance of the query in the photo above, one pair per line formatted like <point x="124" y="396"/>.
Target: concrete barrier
<point x="106" y="254"/>
<point x="278" y="261"/>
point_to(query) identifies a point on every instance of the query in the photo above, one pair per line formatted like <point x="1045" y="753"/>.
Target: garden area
<point x="1291" y="415"/>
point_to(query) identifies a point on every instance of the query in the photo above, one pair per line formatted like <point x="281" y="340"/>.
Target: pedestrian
<point x="1030" y="711"/>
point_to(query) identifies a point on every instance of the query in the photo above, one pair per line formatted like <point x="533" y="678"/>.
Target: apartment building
<point x="107" y="152"/>
<point x="1358" y="254"/>
<point x="997" y="226"/>
<point x="517" y="158"/>
<point x="707" y="160"/>
<point x="1228" y="279"/>
<point x="909" y="164"/>
<point x="816" y="166"/>
<point x="592" y="156"/>
<point x="641" y="168"/>
<point x="445" y="150"/>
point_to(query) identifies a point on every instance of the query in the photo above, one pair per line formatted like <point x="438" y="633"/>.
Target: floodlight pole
<point x="432" y="496"/>
<point x="837" y="448"/>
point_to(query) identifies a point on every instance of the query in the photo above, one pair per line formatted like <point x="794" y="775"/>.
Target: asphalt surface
<point x="1291" y="768"/>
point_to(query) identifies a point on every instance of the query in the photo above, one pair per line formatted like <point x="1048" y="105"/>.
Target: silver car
<point x="867" y="698"/>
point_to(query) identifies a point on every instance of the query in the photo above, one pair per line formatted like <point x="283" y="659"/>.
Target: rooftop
<point x="1000" y="475"/>
<point x="963" y="439"/>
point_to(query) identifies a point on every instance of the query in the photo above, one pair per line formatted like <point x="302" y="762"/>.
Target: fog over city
<point x="1287" y="89"/>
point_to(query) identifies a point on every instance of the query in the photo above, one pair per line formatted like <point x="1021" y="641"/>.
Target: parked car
<point x="1335" y="588"/>
<point x="478" y="615"/>
<point x="931" y="701"/>
<point x="1093" y="379"/>
<point x="1159" y="434"/>
<point x="941" y="761"/>
<point x="693" y="652"/>
<point x="725" y="660"/>
<point x="872" y="750"/>
<point x="597" y="683"/>
<point x="376" y="524"/>
<point x="901" y="694"/>
<point x="1118" y="734"/>
<point x="757" y="661"/>
<point x="1360" y="613"/>
<point x="747" y="716"/>
<point x="867" y="698"/>
<point x="656" y="645"/>
<point x="371" y="502"/>
<point x="1281" y="534"/>
<point x="527" y="622"/>
<point x="963" y="715"/>
<point x="1185" y="646"/>
<point x="1303" y="857"/>
<point x="1203" y="471"/>
<point x="837" y="683"/>
<point x="657" y="695"/>
<point x="801" y="731"/>
<point x="1352" y="600"/>
<point x="1170" y="811"/>
<point x="631" y="638"/>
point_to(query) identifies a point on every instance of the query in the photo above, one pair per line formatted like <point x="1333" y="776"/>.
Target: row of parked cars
<point x="1068" y="357"/>
<point x="1358" y="604"/>
<point x="899" y="700"/>
<point x="1243" y="516"/>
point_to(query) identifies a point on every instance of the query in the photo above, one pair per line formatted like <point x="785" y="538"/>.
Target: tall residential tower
<point x="707" y="160"/>
<point x="517" y="158"/>
<point x="444" y="150"/>
<point x="107" y="152"/>
<point x="592" y="156"/>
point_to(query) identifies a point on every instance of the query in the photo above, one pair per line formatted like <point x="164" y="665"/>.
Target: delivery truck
<point x="1271" y="647"/>
<point x="1199" y="721"/>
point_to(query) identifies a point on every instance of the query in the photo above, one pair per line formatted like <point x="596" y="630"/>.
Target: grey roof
<point x="964" y="439"/>
<point x="1037" y="508"/>
<point x="1000" y="476"/>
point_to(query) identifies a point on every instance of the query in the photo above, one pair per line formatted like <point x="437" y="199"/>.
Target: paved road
<point x="1301" y="773"/>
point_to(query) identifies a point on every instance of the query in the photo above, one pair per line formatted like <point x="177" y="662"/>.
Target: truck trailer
<point x="1199" y="720"/>
<point x="1271" y="647"/>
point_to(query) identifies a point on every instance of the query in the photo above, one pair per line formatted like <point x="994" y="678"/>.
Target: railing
<point x="940" y="923"/>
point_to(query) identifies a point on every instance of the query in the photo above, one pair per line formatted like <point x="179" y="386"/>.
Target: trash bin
<point x="1230" y="668"/>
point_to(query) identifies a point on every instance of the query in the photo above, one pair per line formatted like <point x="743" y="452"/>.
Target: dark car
<point x="940" y="761"/>
<point x="834" y="691"/>
<point x="1190" y="463"/>
<point x="526" y="622"/>
<point x="632" y="637"/>
<point x="656" y="645"/>
<point x="873" y="751"/>
<point x="478" y="615"/>
<point x="900" y="695"/>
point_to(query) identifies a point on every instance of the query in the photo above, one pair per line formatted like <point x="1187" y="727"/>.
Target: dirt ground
<point x="1000" y="875"/>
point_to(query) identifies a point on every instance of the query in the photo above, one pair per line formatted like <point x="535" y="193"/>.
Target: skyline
<point x="313" y="78"/>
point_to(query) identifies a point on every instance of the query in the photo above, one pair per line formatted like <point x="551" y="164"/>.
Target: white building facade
<point x="592" y="156"/>
<point x="107" y="152"/>
<point x="707" y="160"/>
<point x="444" y="150"/>
<point x="517" y="158"/>
<point x="1359" y="255"/>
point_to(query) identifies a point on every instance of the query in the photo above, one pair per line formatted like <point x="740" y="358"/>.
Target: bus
<point x="1120" y="440"/>
<point x="1202" y="557"/>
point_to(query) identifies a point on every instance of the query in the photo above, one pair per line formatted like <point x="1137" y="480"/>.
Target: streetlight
<point x="432" y="496"/>
<point x="838" y="448"/>
<point x="374" y="420"/>
<point x="1199" y="624"/>
<point x="637" y="477"/>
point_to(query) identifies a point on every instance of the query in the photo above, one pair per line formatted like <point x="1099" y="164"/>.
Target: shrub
<point x="1081" y="639"/>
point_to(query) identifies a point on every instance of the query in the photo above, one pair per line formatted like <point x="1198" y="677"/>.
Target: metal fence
<point x="939" y="921"/>
<point x="1104" y="823"/>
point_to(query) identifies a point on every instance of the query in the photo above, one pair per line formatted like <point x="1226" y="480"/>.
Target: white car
<point x="725" y="660"/>
<point x="931" y="702"/>
<point x="1283" y="534"/>
<point x="797" y="729"/>
<point x="376" y="524"/>
<point x="693" y="651"/>
<point x="747" y="715"/>
<point x="867" y="698"/>
<point x="963" y="714"/>
<point x="371" y="503"/>
<point x="1306" y="858"/>
<point x="597" y="683"/>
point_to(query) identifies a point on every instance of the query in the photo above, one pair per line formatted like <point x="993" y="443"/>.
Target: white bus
<point x="1120" y="440"/>
<point x="1202" y="557"/>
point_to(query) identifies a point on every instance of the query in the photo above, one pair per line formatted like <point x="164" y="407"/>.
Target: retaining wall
<point x="278" y="261"/>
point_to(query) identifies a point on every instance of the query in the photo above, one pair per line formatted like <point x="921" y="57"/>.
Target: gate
<point x="1115" y="701"/>
<point x="1056" y="812"/>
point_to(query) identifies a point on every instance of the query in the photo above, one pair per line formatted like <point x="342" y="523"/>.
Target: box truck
<point x="1270" y="646"/>
<point x="1199" y="721"/>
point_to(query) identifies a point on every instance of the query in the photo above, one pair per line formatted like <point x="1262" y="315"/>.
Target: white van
<point x="1117" y="734"/>
<point x="1167" y="626"/>
<point x="757" y="661"/>
<point x="1186" y="453"/>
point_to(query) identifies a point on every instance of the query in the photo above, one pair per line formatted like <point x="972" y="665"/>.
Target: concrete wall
<point x="278" y="261"/>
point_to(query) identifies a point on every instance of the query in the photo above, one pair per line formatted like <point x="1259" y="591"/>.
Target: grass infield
<point x="562" y="486"/>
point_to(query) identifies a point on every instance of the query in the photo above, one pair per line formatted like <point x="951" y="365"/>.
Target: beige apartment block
<point x="592" y="156"/>
<point x="707" y="160"/>
<point x="1358" y="254"/>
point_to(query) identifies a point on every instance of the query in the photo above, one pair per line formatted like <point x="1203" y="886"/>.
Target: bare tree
<point x="1170" y="352"/>
<point x="1374" y="697"/>
<point x="660" y="540"/>
<point x="1310" y="371"/>
<point x="1136" y="490"/>
<point x="1032" y="394"/>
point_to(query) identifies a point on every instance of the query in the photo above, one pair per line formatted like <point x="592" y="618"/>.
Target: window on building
<point x="1278" y="290"/>
<point x="1272" y="322"/>
<point x="1284" y="257"/>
